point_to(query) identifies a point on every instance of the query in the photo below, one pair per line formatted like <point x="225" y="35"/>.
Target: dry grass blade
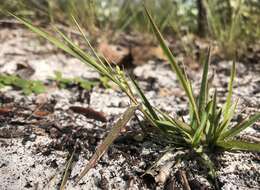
<point x="113" y="134"/>
<point x="66" y="172"/>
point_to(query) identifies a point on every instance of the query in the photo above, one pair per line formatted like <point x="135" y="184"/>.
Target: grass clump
<point x="209" y="126"/>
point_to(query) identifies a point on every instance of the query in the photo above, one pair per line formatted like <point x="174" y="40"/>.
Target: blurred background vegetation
<point x="232" y="24"/>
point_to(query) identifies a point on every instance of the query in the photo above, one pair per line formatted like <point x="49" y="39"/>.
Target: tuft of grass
<point x="209" y="126"/>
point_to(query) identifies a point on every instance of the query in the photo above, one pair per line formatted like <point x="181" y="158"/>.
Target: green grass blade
<point x="198" y="134"/>
<point x="86" y="58"/>
<point x="226" y="120"/>
<point x="174" y="65"/>
<point x="183" y="125"/>
<point x="70" y="47"/>
<point x="230" y="91"/>
<point x="46" y="35"/>
<point x="86" y="40"/>
<point x="204" y="84"/>
<point x="164" y="124"/>
<point x="192" y="116"/>
<point x="241" y="126"/>
<point x="145" y="100"/>
<point x="90" y="61"/>
<point x="208" y="110"/>
<point x="176" y="124"/>
<point x="216" y="124"/>
<point x="210" y="134"/>
<point x="113" y="134"/>
<point x="239" y="145"/>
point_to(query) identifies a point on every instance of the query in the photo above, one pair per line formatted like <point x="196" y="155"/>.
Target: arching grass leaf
<point x="181" y="76"/>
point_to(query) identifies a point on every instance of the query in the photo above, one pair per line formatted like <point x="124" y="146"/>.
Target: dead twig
<point x="184" y="180"/>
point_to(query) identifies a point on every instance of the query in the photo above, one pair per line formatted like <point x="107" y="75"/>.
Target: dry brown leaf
<point x="5" y="110"/>
<point x="115" y="54"/>
<point x="40" y="113"/>
<point x="89" y="113"/>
